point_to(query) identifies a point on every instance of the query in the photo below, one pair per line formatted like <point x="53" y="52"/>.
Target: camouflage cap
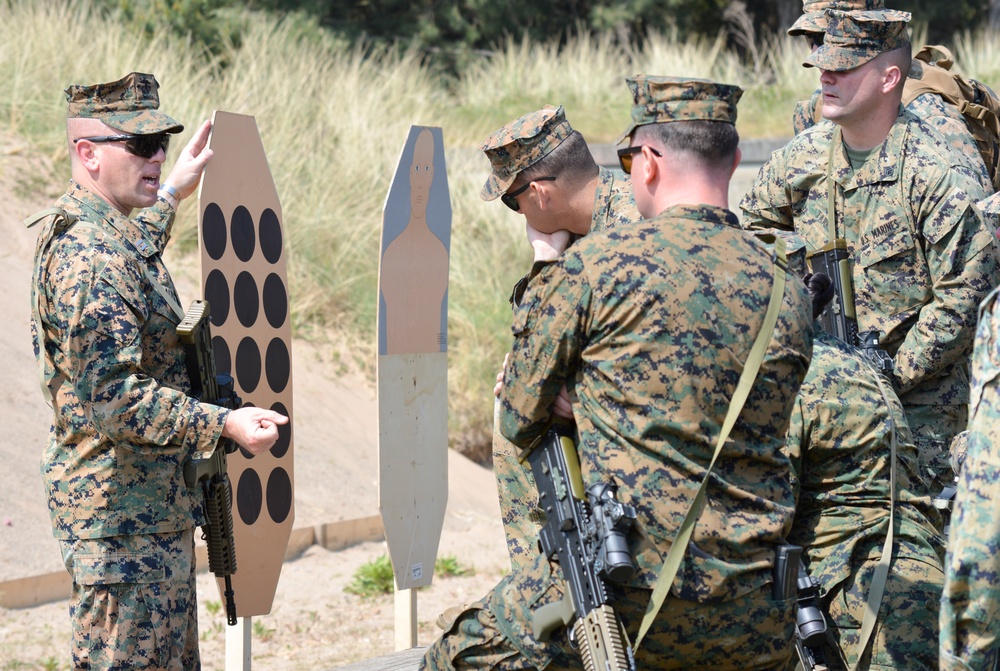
<point x="521" y="143"/>
<point x="666" y="99"/>
<point x="813" y="19"/>
<point x="854" y="38"/>
<point x="130" y="105"/>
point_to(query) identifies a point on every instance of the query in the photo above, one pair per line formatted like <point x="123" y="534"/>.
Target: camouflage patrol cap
<point x="130" y="105"/>
<point x="522" y="143"/>
<point x="854" y="38"/>
<point x="666" y="99"/>
<point x="813" y="19"/>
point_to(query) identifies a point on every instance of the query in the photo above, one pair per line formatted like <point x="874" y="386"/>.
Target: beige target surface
<point x="413" y="358"/>
<point x="244" y="279"/>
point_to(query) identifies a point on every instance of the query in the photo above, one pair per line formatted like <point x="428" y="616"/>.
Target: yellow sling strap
<point x="673" y="561"/>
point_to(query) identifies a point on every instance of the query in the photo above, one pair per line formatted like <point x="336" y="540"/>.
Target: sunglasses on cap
<point x="509" y="199"/>
<point x="625" y="156"/>
<point x="143" y="146"/>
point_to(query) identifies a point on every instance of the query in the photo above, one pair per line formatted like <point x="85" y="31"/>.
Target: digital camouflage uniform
<point x="649" y="324"/>
<point x="511" y="149"/>
<point x="922" y="256"/>
<point x="927" y="106"/>
<point x="839" y="442"/>
<point x="970" y="609"/>
<point x="104" y="334"/>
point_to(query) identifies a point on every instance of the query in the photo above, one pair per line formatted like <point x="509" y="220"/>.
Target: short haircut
<point x="571" y="161"/>
<point x="713" y="142"/>
<point x="901" y="58"/>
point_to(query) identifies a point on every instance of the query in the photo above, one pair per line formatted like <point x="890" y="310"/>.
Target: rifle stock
<point x="210" y="474"/>
<point x="585" y="531"/>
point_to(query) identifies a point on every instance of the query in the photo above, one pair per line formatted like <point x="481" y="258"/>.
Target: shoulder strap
<point x="673" y="561"/>
<point x="881" y="574"/>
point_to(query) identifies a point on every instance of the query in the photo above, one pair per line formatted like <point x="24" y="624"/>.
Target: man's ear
<point x="737" y="157"/>
<point x="86" y="154"/>
<point x="891" y="78"/>
<point x="541" y="192"/>
<point x="650" y="168"/>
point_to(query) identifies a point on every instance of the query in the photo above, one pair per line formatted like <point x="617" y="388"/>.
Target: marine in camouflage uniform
<point x="113" y="369"/>
<point x="650" y="324"/>
<point x="840" y="446"/>
<point x="930" y="107"/>
<point x="541" y="144"/>
<point x="922" y="258"/>
<point x="970" y="609"/>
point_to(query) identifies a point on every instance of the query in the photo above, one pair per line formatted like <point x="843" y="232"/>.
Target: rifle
<point x="814" y="643"/>
<point x="839" y="318"/>
<point x="210" y="473"/>
<point x="586" y="531"/>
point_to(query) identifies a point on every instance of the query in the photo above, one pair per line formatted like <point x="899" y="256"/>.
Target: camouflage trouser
<point x="750" y="632"/>
<point x="906" y="632"/>
<point x="933" y="428"/>
<point x="133" y="604"/>
<point x="518" y="499"/>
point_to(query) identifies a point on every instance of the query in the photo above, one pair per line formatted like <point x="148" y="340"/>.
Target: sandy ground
<point x="313" y="623"/>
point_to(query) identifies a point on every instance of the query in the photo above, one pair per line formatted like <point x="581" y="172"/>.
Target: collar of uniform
<point x="602" y="198"/>
<point x="89" y="201"/>
<point x="709" y="213"/>
<point x="883" y="168"/>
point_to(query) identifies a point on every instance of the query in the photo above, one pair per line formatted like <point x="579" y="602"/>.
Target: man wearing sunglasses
<point x="112" y="367"/>
<point x="926" y="105"/>
<point x="651" y="322"/>
<point x="543" y="169"/>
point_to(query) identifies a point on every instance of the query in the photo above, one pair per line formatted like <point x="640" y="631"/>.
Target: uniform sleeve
<point x="549" y="332"/>
<point x="961" y="257"/>
<point x="106" y="315"/>
<point x="158" y="220"/>
<point x="768" y="203"/>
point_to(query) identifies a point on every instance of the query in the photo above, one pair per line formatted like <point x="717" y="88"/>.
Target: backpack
<point x="977" y="103"/>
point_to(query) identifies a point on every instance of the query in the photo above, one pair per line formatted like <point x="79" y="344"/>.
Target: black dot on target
<point x="276" y="365"/>
<point x="279" y="495"/>
<point x="281" y="445"/>
<point x="248" y="365"/>
<point x="275" y="300"/>
<point x="249" y="496"/>
<point x="246" y="299"/>
<point x="270" y="236"/>
<point x="217" y="295"/>
<point x="213" y="231"/>
<point x="243" y="234"/>
<point x="223" y="359"/>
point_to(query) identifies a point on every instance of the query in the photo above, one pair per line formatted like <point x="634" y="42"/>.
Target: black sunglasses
<point x="815" y="40"/>
<point x="625" y="156"/>
<point x="144" y="146"/>
<point x="509" y="199"/>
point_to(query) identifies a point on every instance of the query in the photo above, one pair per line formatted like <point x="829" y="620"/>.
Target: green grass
<point x="375" y="577"/>
<point x="333" y="117"/>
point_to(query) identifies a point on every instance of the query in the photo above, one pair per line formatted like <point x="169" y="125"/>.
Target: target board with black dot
<point x="243" y="268"/>
<point x="413" y="358"/>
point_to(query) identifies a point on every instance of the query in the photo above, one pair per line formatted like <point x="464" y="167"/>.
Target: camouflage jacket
<point x="649" y="324"/>
<point x="922" y="257"/>
<point x="970" y="609"/>
<point x="839" y="443"/>
<point x="613" y="202"/>
<point x="114" y="366"/>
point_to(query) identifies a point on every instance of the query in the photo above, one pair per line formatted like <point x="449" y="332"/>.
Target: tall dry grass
<point x="333" y="117"/>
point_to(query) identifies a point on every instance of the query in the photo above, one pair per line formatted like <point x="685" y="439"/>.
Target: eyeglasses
<point x="815" y="40"/>
<point x="143" y="146"/>
<point x="509" y="199"/>
<point x="625" y="156"/>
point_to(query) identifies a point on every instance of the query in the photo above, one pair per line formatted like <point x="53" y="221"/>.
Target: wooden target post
<point x="413" y="368"/>
<point x="243" y="268"/>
